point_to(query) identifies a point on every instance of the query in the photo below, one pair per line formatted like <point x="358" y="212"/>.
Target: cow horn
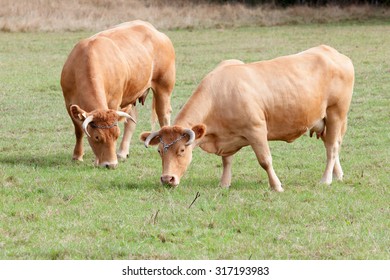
<point x="86" y="123"/>
<point x="191" y="134"/>
<point x="150" y="137"/>
<point x="127" y="116"/>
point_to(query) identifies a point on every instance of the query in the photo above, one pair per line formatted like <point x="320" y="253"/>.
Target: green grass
<point x="53" y="208"/>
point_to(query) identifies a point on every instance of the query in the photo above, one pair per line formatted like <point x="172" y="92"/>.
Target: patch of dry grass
<point x="91" y="15"/>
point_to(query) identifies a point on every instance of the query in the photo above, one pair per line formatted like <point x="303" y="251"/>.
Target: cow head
<point x="175" y="145"/>
<point x="101" y="127"/>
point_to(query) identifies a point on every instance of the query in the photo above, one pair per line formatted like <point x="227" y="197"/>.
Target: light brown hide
<point x="112" y="70"/>
<point x="281" y="99"/>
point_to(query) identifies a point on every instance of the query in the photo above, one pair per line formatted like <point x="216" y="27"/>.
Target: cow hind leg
<point x="331" y="152"/>
<point x="226" y="177"/>
<point x="335" y="128"/>
<point x="78" y="151"/>
<point x="129" y="127"/>
<point x="337" y="170"/>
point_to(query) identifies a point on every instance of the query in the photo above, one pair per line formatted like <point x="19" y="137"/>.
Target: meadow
<point x="53" y="208"/>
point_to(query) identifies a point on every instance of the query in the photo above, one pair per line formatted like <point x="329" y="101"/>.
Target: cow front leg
<point x="226" y="177"/>
<point x="123" y="152"/>
<point x="264" y="158"/>
<point x="78" y="151"/>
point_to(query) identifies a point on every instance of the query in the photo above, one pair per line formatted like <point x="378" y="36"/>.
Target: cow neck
<point x="89" y="107"/>
<point x="195" y="111"/>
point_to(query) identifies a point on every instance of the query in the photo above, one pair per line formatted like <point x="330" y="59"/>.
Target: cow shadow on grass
<point x="120" y="179"/>
<point x="127" y="185"/>
<point x="103" y="179"/>
<point x="132" y="183"/>
<point x="34" y="161"/>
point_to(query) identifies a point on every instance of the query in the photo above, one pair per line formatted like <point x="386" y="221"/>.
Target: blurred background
<point x="93" y="15"/>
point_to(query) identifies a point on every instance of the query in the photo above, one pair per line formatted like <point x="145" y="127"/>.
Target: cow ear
<point x="77" y="113"/>
<point x="152" y="142"/>
<point x="200" y="130"/>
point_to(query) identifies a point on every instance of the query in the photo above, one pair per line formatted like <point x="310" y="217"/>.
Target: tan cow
<point x="104" y="76"/>
<point x="239" y="104"/>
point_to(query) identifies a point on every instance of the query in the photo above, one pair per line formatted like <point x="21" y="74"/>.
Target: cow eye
<point x="159" y="151"/>
<point x="97" y="138"/>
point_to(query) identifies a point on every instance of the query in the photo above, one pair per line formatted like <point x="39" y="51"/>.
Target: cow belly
<point x="288" y="135"/>
<point x="290" y="132"/>
<point x="131" y="97"/>
<point x="223" y="146"/>
<point x="292" y="126"/>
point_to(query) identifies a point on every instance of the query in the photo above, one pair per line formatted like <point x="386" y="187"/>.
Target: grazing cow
<point x="104" y="76"/>
<point x="239" y="104"/>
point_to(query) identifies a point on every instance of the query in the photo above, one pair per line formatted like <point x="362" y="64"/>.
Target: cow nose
<point x="171" y="180"/>
<point x="109" y="165"/>
<point x="112" y="166"/>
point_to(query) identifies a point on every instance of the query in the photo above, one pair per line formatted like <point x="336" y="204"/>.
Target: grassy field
<point x="53" y="208"/>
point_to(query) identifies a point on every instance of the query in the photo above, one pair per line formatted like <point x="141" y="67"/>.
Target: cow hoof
<point x="326" y="182"/>
<point x="338" y="177"/>
<point x="278" y="189"/>
<point x="122" y="157"/>
<point x="74" y="158"/>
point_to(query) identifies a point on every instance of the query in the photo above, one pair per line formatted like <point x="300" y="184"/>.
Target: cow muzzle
<point x="171" y="180"/>
<point x="108" y="165"/>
